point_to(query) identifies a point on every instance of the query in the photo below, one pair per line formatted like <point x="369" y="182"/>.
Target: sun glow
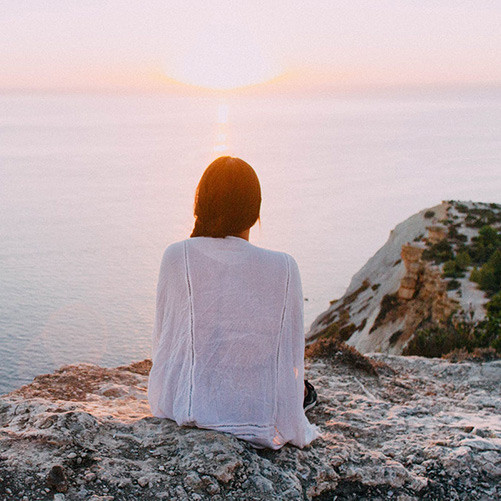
<point x="221" y="143"/>
<point x="223" y="57"/>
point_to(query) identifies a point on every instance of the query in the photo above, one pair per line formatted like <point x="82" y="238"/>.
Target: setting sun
<point x="224" y="57"/>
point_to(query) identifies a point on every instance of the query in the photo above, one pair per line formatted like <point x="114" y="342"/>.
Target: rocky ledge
<point x="393" y="428"/>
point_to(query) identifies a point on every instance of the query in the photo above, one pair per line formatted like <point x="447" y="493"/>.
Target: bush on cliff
<point x="453" y="234"/>
<point x="455" y="268"/>
<point x="488" y="276"/>
<point x="485" y="245"/>
<point x="459" y="333"/>
<point x="479" y="217"/>
<point x="451" y="269"/>
<point x="388" y="303"/>
<point x="335" y="350"/>
<point x="494" y="305"/>
<point x="453" y="285"/>
<point x="439" y="252"/>
<point x="477" y="355"/>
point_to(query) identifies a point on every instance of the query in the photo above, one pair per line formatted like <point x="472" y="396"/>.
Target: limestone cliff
<point x="398" y="290"/>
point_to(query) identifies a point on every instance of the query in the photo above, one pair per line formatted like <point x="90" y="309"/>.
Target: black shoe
<point x="310" y="399"/>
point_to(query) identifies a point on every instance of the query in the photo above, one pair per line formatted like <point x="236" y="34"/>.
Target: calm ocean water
<point x="94" y="187"/>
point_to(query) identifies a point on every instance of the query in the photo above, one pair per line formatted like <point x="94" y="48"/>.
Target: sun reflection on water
<point x="221" y="143"/>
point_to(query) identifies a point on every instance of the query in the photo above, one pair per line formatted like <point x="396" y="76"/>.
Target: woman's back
<point x="228" y="341"/>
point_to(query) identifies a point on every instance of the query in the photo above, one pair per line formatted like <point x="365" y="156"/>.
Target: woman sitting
<point x="228" y="340"/>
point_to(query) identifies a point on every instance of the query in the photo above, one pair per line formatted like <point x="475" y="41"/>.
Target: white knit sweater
<point x="228" y="342"/>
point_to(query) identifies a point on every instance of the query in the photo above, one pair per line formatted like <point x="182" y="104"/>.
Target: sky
<point x="153" y="44"/>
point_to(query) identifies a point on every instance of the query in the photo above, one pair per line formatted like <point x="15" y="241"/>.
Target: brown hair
<point x="227" y="200"/>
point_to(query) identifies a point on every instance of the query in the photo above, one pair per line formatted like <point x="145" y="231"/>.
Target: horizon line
<point x="186" y="90"/>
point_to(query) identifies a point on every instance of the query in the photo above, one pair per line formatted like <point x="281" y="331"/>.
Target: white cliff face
<point x="396" y="290"/>
<point x="418" y="429"/>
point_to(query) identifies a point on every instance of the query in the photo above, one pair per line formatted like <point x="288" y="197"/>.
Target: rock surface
<point x="420" y="429"/>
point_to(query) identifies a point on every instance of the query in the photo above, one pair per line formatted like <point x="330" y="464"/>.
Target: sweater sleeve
<point x="291" y="422"/>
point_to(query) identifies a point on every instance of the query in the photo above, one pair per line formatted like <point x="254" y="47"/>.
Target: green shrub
<point x="388" y="303"/>
<point x="488" y="241"/>
<point x="362" y="324"/>
<point x="485" y="245"/>
<point x="435" y="340"/>
<point x="395" y="337"/>
<point x="454" y="234"/>
<point x="460" y="333"/>
<point x="439" y="252"/>
<point x="346" y="331"/>
<point x="475" y="275"/>
<point x="493" y="307"/>
<point x="455" y="268"/>
<point x="451" y="269"/>
<point x="488" y="276"/>
<point x="351" y="297"/>
<point x="463" y="259"/>
<point x="489" y="332"/>
<point x="489" y="236"/>
<point x="477" y="217"/>
<point x="453" y="285"/>
<point x="429" y="214"/>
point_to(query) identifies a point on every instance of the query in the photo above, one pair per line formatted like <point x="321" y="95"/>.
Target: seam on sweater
<point x="282" y="320"/>
<point x="239" y="425"/>
<point x="191" y="327"/>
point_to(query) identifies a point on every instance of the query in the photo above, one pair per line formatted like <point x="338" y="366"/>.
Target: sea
<point x="94" y="187"/>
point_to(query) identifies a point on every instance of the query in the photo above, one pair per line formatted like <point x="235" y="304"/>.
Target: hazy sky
<point x="134" y="44"/>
